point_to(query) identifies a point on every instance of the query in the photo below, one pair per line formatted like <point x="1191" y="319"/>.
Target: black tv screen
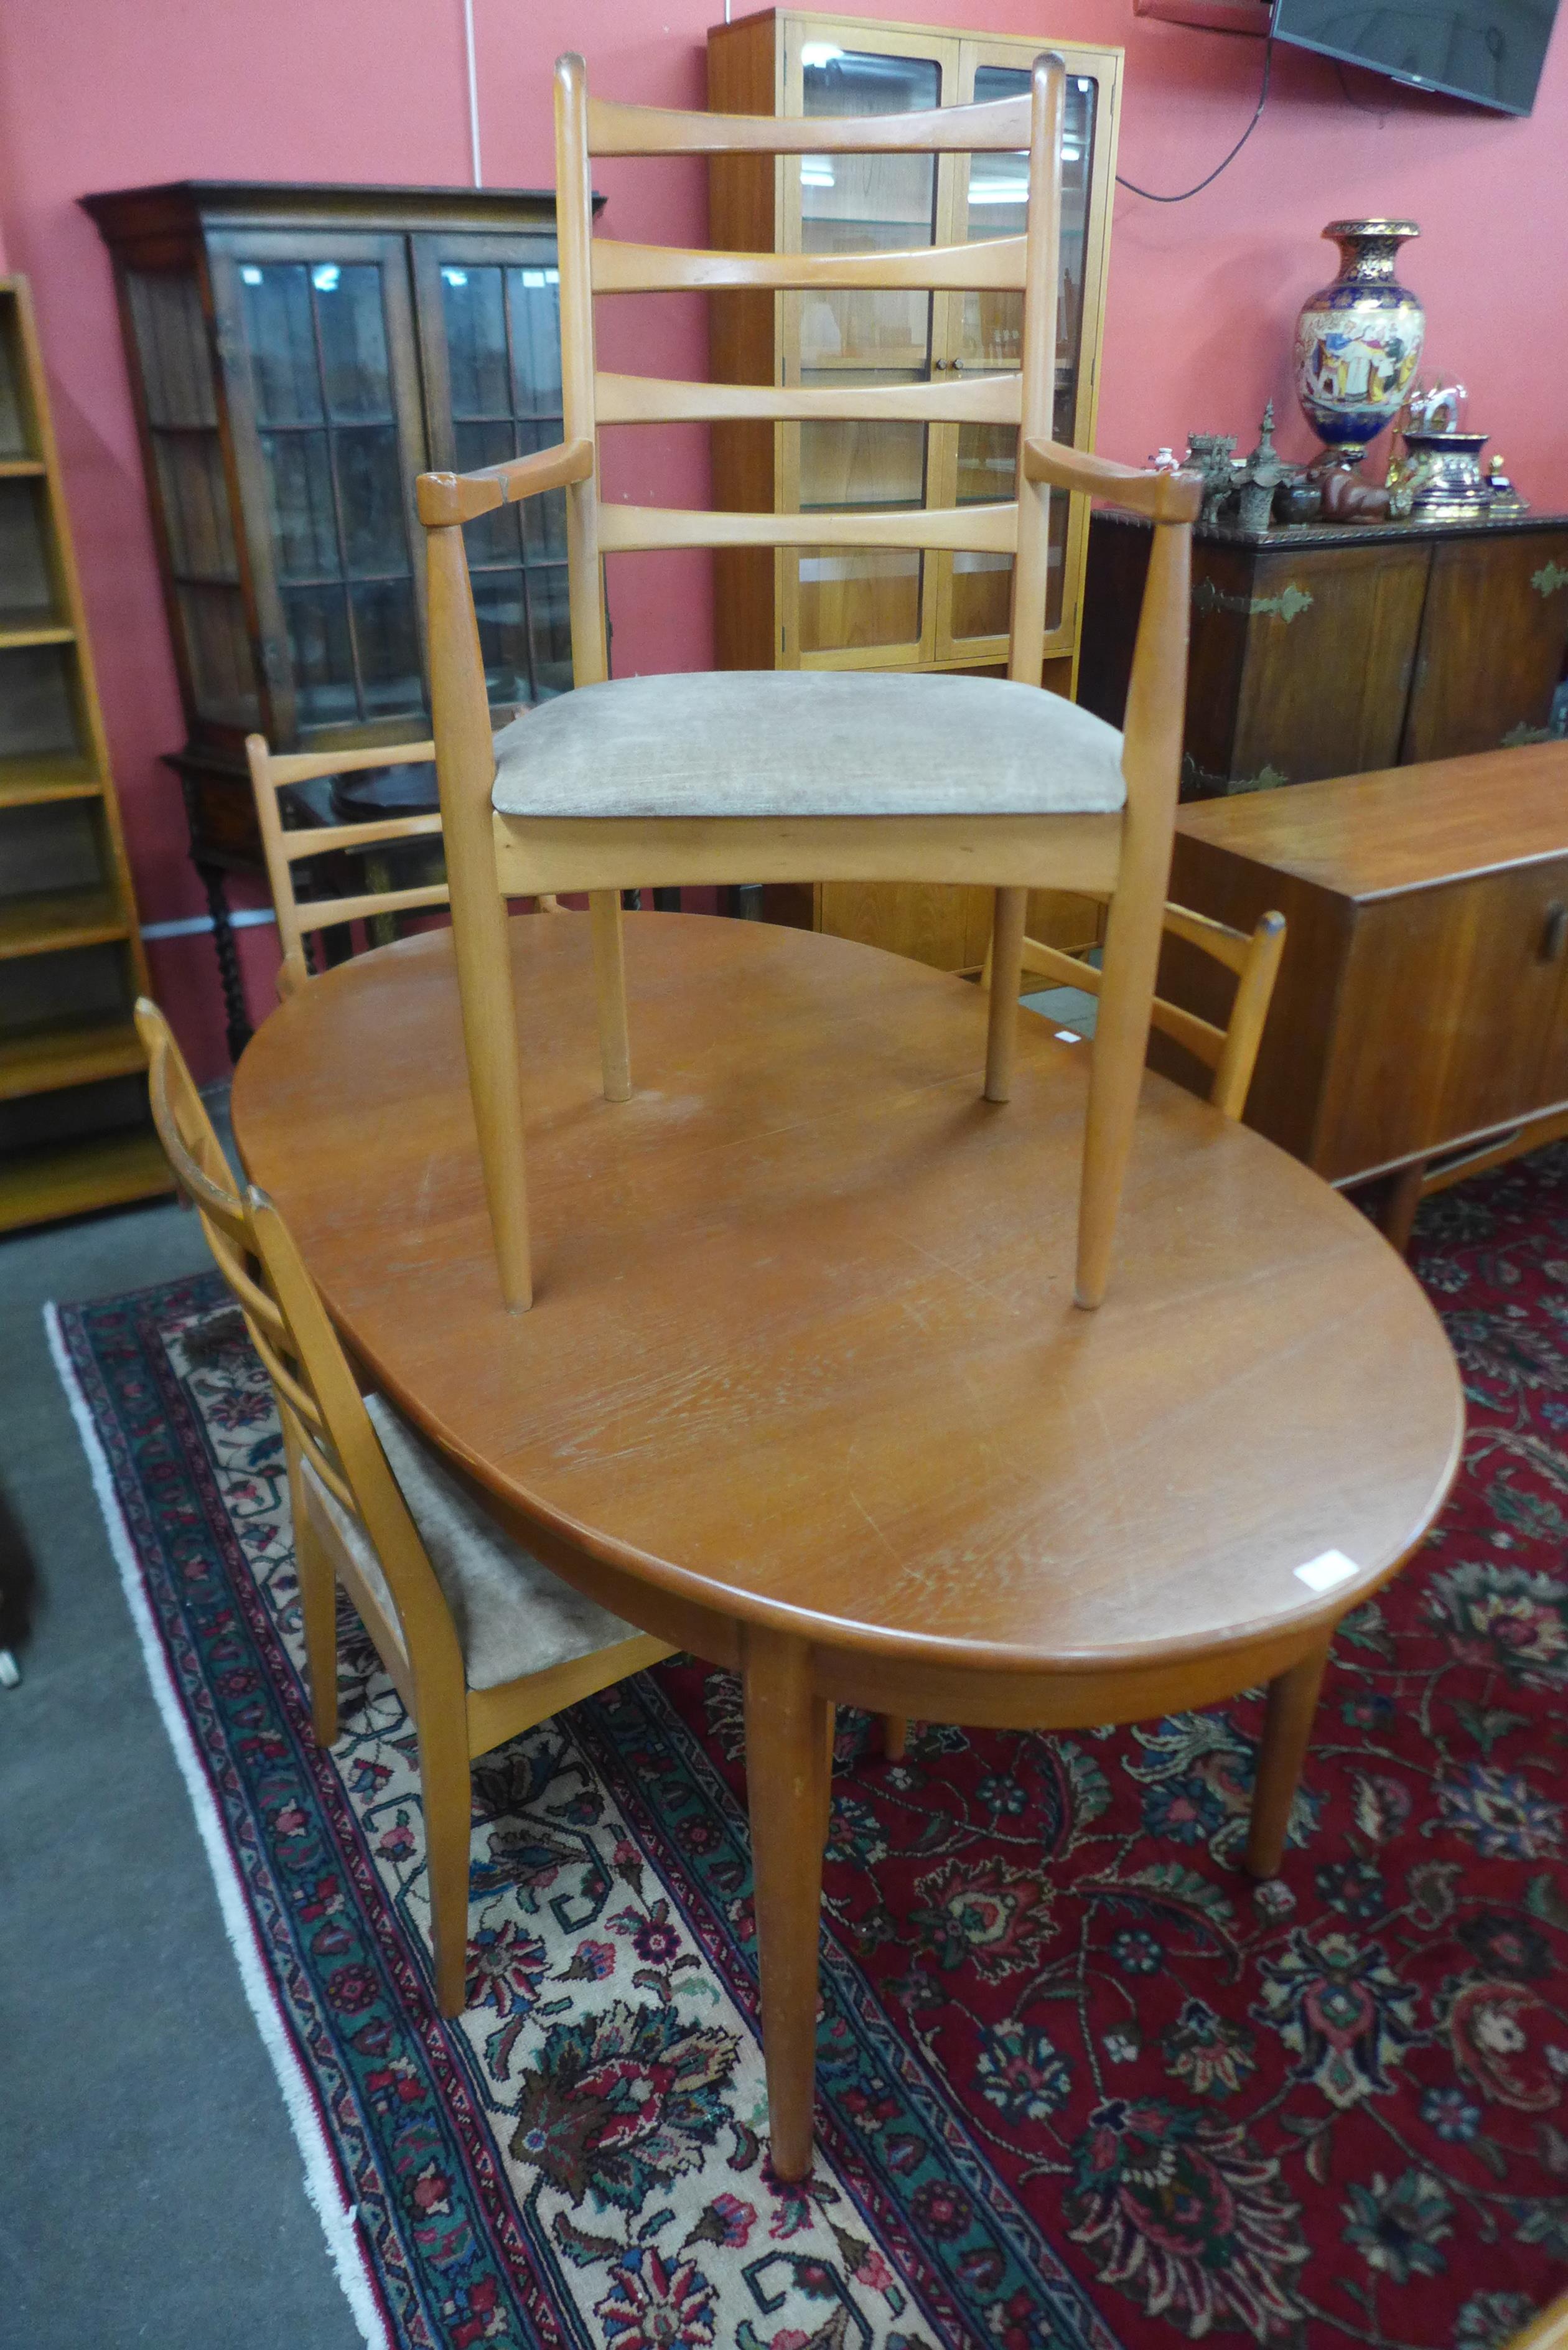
<point x="1489" y="51"/>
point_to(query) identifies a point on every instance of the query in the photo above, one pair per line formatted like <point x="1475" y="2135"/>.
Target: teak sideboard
<point x="1337" y="649"/>
<point x="1420" y="1026"/>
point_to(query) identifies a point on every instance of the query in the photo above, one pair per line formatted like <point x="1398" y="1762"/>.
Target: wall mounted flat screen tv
<point x="1489" y="51"/>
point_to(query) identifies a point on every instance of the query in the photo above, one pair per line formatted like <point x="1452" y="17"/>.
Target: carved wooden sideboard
<point x="1339" y="648"/>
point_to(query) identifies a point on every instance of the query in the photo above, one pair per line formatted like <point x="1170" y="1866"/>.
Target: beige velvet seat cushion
<point x="513" y="1616"/>
<point x="807" y="742"/>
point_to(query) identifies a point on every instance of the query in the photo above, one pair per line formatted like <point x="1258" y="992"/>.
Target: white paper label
<point x="1068" y="1036"/>
<point x="1322" y="1573"/>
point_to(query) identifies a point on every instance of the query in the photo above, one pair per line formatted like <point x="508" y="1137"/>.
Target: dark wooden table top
<point x="803" y="1349"/>
<point x="1403" y="827"/>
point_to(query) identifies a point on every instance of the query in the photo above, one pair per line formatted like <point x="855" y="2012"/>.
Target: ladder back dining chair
<point x="479" y="1639"/>
<point x="284" y="846"/>
<point x="1229" y="1053"/>
<point x="806" y="774"/>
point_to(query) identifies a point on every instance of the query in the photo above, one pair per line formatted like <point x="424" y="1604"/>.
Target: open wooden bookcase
<point x="75" y="1132"/>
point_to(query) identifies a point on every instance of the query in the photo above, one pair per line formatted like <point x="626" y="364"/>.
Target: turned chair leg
<point x="1287" y="1730"/>
<point x="894" y="1736"/>
<point x="447" y="1787"/>
<point x="786" y="1765"/>
<point x="1003" y="975"/>
<point x="1403" y="1197"/>
<point x="610" y="985"/>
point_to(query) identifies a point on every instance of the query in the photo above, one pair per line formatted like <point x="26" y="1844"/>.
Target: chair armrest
<point x="445" y="498"/>
<point x="1163" y="498"/>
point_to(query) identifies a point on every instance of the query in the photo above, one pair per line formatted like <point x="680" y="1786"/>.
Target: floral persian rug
<point x="1081" y="2084"/>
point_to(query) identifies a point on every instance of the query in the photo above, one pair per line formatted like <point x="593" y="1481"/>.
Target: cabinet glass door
<point x="496" y="337"/>
<point x="175" y="361"/>
<point x="326" y="381"/>
<point x="990" y="329"/>
<point x="871" y="600"/>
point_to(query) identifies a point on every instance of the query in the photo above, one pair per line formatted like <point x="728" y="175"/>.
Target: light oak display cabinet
<point x="891" y="608"/>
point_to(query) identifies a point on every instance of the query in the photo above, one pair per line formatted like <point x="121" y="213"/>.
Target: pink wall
<point x="95" y="94"/>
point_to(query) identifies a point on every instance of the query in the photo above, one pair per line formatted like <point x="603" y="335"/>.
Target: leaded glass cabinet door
<point x="489" y="312"/>
<point x="210" y="625"/>
<point x="316" y="335"/>
<point x="983" y="335"/>
<point x="854" y="607"/>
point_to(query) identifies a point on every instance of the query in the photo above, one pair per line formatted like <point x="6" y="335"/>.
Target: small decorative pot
<point x="1449" y="483"/>
<point x="1358" y="341"/>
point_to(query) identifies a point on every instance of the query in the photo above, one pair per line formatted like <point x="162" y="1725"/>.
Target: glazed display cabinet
<point x="885" y="608"/>
<point x="298" y="356"/>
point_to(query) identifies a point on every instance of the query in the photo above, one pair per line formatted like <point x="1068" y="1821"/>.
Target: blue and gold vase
<point x="1358" y="341"/>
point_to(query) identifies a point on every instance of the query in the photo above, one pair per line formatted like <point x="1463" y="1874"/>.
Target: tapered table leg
<point x="1400" y="1202"/>
<point x="786" y="1782"/>
<point x="1287" y="1728"/>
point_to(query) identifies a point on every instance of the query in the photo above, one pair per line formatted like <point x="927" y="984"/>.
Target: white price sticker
<point x="1330" y="1567"/>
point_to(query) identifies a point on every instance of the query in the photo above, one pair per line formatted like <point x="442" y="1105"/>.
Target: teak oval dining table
<point x="803" y="1388"/>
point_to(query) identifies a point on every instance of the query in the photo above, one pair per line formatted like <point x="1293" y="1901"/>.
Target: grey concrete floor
<point x="153" y="2187"/>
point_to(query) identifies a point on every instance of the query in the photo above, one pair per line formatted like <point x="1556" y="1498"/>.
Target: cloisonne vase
<point x="1358" y="341"/>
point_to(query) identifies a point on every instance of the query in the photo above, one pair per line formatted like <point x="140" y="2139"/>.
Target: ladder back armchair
<point x="806" y="774"/>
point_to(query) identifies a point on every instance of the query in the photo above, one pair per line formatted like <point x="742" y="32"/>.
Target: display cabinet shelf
<point x="74" y="1127"/>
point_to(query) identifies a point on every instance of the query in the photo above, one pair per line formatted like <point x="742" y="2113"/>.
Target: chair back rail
<point x="655" y="399"/>
<point x="612" y="128"/>
<point x="992" y="265"/>
<point x="977" y="529"/>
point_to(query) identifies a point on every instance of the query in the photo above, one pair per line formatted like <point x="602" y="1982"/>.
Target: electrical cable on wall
<point x="1180" y="197"/>
<point x="472" y="90"/>
<point x="1362" y="105"/>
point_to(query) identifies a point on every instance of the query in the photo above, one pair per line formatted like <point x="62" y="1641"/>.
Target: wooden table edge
<point x="712" y="1620"/>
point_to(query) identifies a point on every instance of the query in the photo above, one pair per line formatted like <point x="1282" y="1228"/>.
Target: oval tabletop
<point x="803" y="1346"/>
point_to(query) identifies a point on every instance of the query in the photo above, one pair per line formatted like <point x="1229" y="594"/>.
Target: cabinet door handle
<point x="1554" y="934"/>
